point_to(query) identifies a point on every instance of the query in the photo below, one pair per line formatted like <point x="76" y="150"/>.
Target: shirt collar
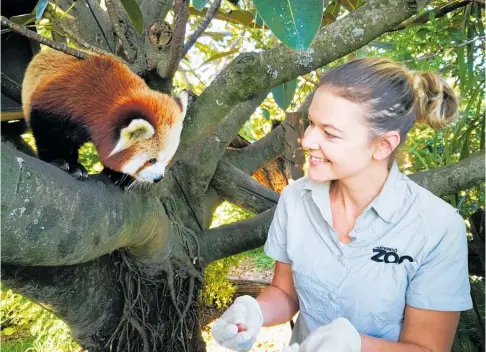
<point x="391" y="196"/>
<point x="388" y="201"/>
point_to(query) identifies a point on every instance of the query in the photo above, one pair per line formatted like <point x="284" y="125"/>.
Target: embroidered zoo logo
<point x="389" y="255"/>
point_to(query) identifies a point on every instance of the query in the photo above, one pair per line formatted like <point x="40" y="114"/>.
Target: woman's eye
<point x="330" y="135"/>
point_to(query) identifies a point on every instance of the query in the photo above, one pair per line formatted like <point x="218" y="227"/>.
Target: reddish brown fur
<point x="97" y="91"/>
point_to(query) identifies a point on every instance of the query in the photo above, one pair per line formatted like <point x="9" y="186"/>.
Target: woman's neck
<point x="355" y="193"/>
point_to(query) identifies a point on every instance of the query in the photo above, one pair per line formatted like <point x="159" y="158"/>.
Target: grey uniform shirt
<point x="408" y="247"/>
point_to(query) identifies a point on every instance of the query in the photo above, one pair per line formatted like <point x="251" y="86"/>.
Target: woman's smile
<point x="315" y="161"/>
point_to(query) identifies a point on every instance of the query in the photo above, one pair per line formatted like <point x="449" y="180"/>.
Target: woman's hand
<point x="338" y="336"/>
<point x="239" y="325"/>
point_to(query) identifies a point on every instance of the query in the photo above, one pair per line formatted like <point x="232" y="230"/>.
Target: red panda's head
<point x="147" y="133"/>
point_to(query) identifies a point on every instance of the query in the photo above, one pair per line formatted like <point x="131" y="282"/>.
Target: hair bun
<point x="435" y="100"/>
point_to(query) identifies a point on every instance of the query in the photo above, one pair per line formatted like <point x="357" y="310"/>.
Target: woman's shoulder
<point x="432" y="208"/>
<point x="295" y="187"/>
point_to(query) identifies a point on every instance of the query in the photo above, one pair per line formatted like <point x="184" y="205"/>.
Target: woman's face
<point x="337" y="138"/>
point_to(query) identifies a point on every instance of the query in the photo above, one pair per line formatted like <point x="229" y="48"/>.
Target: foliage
<point x="51" y="334"/>
<point x="468" y="336"/>
<point x="450" y="45"/>
<point x="218" y="290"/>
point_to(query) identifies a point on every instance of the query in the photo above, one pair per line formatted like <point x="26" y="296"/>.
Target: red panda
<point x="67" y="102"/>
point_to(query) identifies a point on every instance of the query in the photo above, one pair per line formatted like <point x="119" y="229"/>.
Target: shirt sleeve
<point x="276" y="244"/>
<point x="442" y="280"/>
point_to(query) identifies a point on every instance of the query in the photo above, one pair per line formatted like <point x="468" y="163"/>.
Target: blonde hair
<point x="393" y="97"/>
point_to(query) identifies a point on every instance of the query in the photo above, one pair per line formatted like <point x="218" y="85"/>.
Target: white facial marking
<point x="135" y="163"/>
<point x="153" y="172"/>
<point x="172" y="142"/>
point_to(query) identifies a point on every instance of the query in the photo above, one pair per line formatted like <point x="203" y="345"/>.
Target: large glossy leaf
<point x="284" y="93"/>
<point x="294" y="22"/>
<point x="40" y="8"/>
<point x="199" y="4"/>
<point x="134" y="13"/>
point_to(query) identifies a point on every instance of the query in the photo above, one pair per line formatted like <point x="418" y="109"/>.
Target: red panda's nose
<point x="158" y="179"/>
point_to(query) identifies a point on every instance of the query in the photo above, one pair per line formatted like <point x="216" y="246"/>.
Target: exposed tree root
<point x="159" y="312"/>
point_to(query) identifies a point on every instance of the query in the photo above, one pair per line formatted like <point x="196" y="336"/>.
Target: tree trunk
<point x="124" y="269"/>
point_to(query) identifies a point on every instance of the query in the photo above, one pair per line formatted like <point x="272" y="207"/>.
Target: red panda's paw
<point x="74" y="168"/>
<point x="118" y="178"/>
<point x="78" y="171"/>
<point x="60" y="163"/>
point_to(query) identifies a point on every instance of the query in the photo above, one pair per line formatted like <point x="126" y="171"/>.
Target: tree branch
<point x="155" y="10"/>
<point x="453" y="178"/>
<point x="252" y="73"/>
<point x="257" y="154"/>
<point x="230" y="239"/>
<point x="79" y="221"/>
<point x="181" y="11"/>
<point x="74" y="36"/>
<point x="84" y="296"/>
<point x="237" y="187"/>
<point x="202" y="26"/>
<point x="200" y="165"/>
<point x="11" y="89"/>
<point x="439" y="12"/>
<point x="115" y="21"/>
<point x="235" y="238"/>
<point x="37" y="37"/>
<point x="270" y="147"/>
<point x="90" y="22"/>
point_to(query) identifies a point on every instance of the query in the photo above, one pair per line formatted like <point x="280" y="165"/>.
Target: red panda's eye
<point x="152" y="161"/>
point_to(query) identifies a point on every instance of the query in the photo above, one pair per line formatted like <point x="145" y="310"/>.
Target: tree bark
<point x="124" y="269"/>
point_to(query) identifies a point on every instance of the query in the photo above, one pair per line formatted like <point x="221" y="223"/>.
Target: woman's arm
<point x="423" y="331"/>
<point x="279" y="302"/>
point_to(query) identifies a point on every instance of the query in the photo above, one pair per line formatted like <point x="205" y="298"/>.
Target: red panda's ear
<point x="182" y="100"/>
<point x="137" y="129"/>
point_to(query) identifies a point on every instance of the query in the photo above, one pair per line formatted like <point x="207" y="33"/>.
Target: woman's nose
<point x="309" y="141"/>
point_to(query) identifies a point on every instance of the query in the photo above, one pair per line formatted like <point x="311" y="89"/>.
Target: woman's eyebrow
<point x="332" y="126"/>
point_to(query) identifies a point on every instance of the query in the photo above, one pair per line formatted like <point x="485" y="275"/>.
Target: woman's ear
<point x="386" y="144"/>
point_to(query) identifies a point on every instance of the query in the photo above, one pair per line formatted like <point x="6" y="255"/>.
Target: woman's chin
<point x="318" y="174"/>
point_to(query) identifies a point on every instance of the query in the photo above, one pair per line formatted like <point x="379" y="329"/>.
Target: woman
<point x="372" y="261"/>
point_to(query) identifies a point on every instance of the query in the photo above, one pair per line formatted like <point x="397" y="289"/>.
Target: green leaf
<point x="8" y="331"/>
<point x="350" y="5"/>
<point x="384" y="45"/>
<point x="422" y="33"/>
<point x="284" y="93"/>
<point x="258" y="19"/>
<point x="294" y="22"/>
<point x="456" y="34"/>
<point x="199" y="4"/>
<point x="266" y="114"/>
<point x="40" y="8"/>
<point x="332" y="12"/>
<point x="134" y="13"/>
<point x="23" y="20"/>
<point x="237" y="16"/>
<point x="461" y="65"/>
<point x="219" y="56"/>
